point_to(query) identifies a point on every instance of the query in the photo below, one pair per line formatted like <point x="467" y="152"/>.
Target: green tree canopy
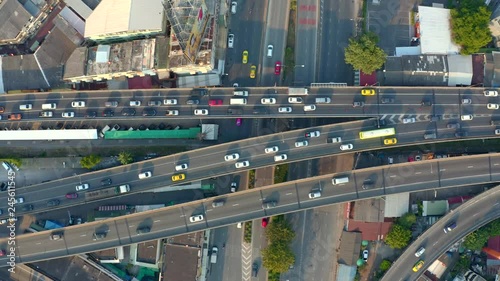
<point x="277" y="257"/>
<point x="125" y="157"/>
<point x="364" y="54"/>
<point x="469" y="24"/>
<point x="90" y="161"/>
<point x="477" y="239"/>
<point x="398" y="237"/>
<point x="407" y="220"/>
<point x="280" y="231"/>
<point x="385" y="265"/>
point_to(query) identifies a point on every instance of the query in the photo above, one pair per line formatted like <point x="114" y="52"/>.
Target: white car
<point x="281" y="157"/>
<point x="83" y="186"/>
<point x="181" y="167"/>
<point x="19" y="200"/>
<point x="242" y="164"/>
<point x="234" y="186"/>
<point x="490" y="93"/>
<point x="268" y="101"/>
<point x="145" y="175"/>
<point x="419" y="252"/>
<point x="348" y="146"/>
<point x="201" y="112"/>
<point x="78" y="104"/>
<point x="239" y="225"/>
<point x="365" y="255"/>
<point x="315" y="194"/>
<point x="286" y="109"/>
<point x="466" y="117"/>
<point x="170" y="101"/>
<point x="172" y="112"/>
<point x="135" y="103"/>
<point x="497" y="132"/>
<point x="295" y="100"/>
<point x="196" y="218"/>
<point x="271" y="149"/>
<point x="232" y="157"/>
<point x="492" y="106"/>
<point x="466" y="101"/>
<point x="301" y="143"/>
<point x="313" y="134"/>
<point x="310" y="107"/>
<point x="230" y="41"/>
<point x="409" y="120"/>
<point x="70" y="114"/>
<point x="233" y="7"/>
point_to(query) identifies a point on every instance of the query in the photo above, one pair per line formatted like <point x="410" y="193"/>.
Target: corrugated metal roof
<point x="460" y="70"/>
<point x="396" y="205"/>
<point x="76" y="134"/>
<point x="434" y="208"/>
<point x="13" y="16"/>
<point x="435" y="31"/>
<point x="79" y="7"/>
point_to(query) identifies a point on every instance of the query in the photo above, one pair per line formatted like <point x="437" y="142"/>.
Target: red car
<point x="264" y="222"/>
<point x="215" y="102"/>
<point x="2" y="253"/>
<point x="277" y="68"/>
<point x="72" y="195"/>
<point x="238" y="122"/>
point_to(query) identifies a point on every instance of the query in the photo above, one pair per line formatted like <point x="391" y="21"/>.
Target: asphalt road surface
<point x="306" y="42"/>
<point x="248" y="205"/>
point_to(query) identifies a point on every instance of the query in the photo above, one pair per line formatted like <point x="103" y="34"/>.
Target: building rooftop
<point x="434" y="208"/>
<point x="191" y="239"/>
<point x="435" y="31"/>
<point x="147" y="252"/>
<point x="423" y="70"/>
<point x="370" y="231"/>
<point x="369" y="210"/>
<point x="350" y="246"/>
<point x="79" y="7"/>
<point x="13" y="17"/>
<point x="396" y="205"/>
<point x="181" y="263"/>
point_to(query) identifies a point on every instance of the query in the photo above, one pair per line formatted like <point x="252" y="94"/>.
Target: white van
<point x="104" y="130"/>
<point x="238" y="101"/>
<point x="26" y="106"/>
<point x="323" y="100"/>
<point x="341" y="180"/>
<point x="213" y="257"/>
<point x="49" y="106"/>
<point x="241" y="93"/>
<point x="269" y="51"/>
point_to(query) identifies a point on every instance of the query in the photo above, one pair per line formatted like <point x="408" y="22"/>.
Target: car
<point x="419" y="252"/>
<point x="239" y="121"/>
<point x="409" y="120"/>
<point x="277" y="68"/>
<point x="233" y="187"/>
<point x="142" y="230"/>
<point x="269" y="51"/>
<point x="492" y="106"/>
<point x="426" y="103"/>
<point x="108" y="113"/>
<point x="490" y="93"/>
<point x="268" y="204"/>
<point x="244" y="60"/>
<point x="418" y="265"/>
<point x="347" y="146"/>
<point x="466" y="117"/>
<point x="196" y="218"/>
<point x="230" y="41"/>
<point x="390" y="141"/>
<point x="315" y="194"/>
<point x="268" y="101"/>
<point x="2" y="109"/>
<point x="69" y="114"/>
<point x="193" y="101"/>
<point x="309" y="107"/>
<point x="387" y="100"/>
<point x="83" y="186"/>
<point x="285" y="109"/>
<point x="497" y="132"/>
<point x="135" y="103"/>
<point x="181" y="167"/>
<point x="78" y="104"/>
<point x="170" y="101"/>
<point x="28" y="208"/>
<point x="453" y="126"/>
<point x="233" y="7"/>
<point x="19" y="200"/>
<point x="239" y="225"/>
<point x="368" y="92"/>
<point x="253" y="71"/>
<point x="149" y="112"/>
<point x="91" y="114"/>
<point x="255" y="269"/>
<point x="435" y="118"/>
<point x="235" y="85"/>
<point x="99" y="236"/>
<point x="106" y="182"/>
<point x="215" y="102"/>
<point x="466" y="101"/>
<point x="368" y="184"/>
<point x="301" y="143"/>
<point x="154" y="103"/>
<point x="450" y="227"/>
<point x="313" y="134"/>
<point x="242" y="164"/>
<point x="145" y="175"/>
<point x="2" y="252"/>
<point x="358" y="104"/>
<point x="178" y="177"/>
<point x="53" y="202"/>
<point x="264" y="222"/>
<point x="201" y="112"/>
<point x="111" y="104"/>
<point x="281" y="157"/>
<point x="271" y="149"/>
<point x="71" y="195"/>
<point x="46" y="114"/>
<point x="365" y="255"/>
<point x="295" y="100"/>
<point x="128" y="112"/>
<point x="172" y="113"/>
<point x="232" y="157"/>
<point x="418" y="158"/>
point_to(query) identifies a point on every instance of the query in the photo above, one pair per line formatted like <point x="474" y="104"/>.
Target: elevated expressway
<point x="247" y="205"/>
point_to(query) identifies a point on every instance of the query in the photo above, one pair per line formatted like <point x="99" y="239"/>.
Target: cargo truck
<point x="298" y="91"/>
<point x="107" y="192"/>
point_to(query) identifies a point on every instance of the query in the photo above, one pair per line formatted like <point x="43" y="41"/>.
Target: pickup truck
<point x="14" y="116"/>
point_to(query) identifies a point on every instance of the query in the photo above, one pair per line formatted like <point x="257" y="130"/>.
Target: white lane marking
<point x="418" y="173"/>
<point x="393" y="176"/>
<point x="234" y="205"/>
<point x="131" y="226"/>
<point x="442" y="170"/>
<point x="208" y="210"/>
<point x="289" y="193"/>
<point x="83" y="235"/>
<point x="470" y="167"/>
<point x="39" y="243"/>
<point x="496" y="164"/>
<point x="157" y="221"/>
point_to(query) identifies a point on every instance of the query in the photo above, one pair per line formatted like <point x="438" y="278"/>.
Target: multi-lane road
<point x="248" y="205"/>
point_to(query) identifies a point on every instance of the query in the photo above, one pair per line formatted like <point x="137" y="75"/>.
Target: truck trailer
<point x="298" y="91"/>
<point x="107" y="192"/>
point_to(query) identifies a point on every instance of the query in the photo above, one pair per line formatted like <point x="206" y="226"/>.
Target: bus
<point x="377" y="133"/>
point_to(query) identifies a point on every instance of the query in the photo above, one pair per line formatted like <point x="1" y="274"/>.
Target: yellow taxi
<point x="245" y="56"/>
<point x="178" y="177"/>
<point x="418" y="265"/>
<point x="253" y="69"/>
<point x="390" y="141"/>
<point x="368" y="92"/>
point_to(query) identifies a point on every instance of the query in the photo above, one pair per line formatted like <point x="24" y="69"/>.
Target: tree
<point x="280" y="231"/>
<point x="398" y="237"/>
<point x="364" y="54"/>
<point x="125" y="157"/>
<point x="477" y="239"/>
<point x="90" y="161"/>
<point x="385" y="265"/>
<point x="463" y="264"/>
<point x="277" y="257"/>
<point x="407" y="220"/>
<point x="469" y="25"/>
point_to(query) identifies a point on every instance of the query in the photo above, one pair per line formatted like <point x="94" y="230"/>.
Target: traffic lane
<point x="409" y="174"/>
<point x="473" y="171"/>
<point x="244" y="207"/>
<point x="405" y="109"/>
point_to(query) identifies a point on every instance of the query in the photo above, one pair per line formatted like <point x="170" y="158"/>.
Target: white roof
<point x="73" y="19"/>
<point x="435" y="31"/>
<point x="396" y="205"/>
<point x="459" y="70"/>
<point x="76" y="134"/>
<point x="114" y="16"/>
<point x="408" y="51"/>
<point x="102" y="54"/>
<point x="79" y="7"/>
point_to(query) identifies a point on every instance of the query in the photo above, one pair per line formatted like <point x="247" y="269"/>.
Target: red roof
<point x="371" y="231"/>
<point x="140" y="82"/>
<point x="367" y="79"/>
<point x="494" y="244"/>
<point x="458" y="199"/>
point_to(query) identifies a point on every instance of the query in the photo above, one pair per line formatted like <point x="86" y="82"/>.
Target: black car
<point x="108" y="113"/>
<point x="193" y="101"/>
<point x="255" y="269"/>
<point x="143" y="230"/>
<point x="149" y="112"/>
<point x="99" y="236"/>
<point x="453" y="126"/>
<point x="460" y="134"/>
<point x="3" y="186"/>
<point x="27" y="208"/>
<point x="106" y="182"/>
<point x="426" y="103"/>
<point x="128" y="112"/>
<point x="368" y="184"/>
<point x="91" y="114"/>
<point x="53" y="202"/>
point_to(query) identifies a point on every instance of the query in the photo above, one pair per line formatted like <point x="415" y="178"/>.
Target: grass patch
<point x="248" y="232"/>
<point x="251" y="179"/>
<point x="273" y="276"/>
<point x="290" y="42"/>
<point x="16" y="161"/>
<point x="280" y="173"/>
